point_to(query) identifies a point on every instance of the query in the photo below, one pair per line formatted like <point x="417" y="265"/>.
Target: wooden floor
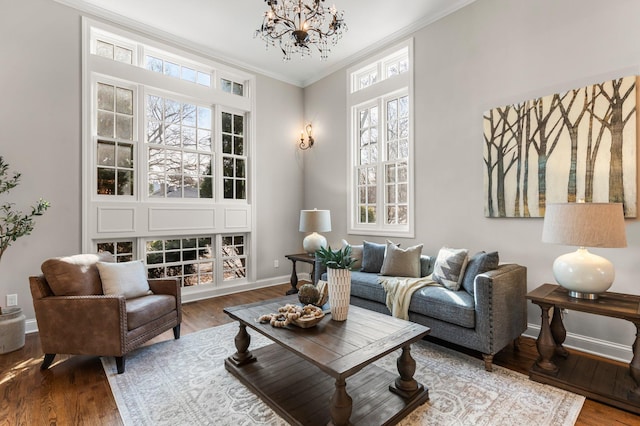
<point x="75" y="391"/>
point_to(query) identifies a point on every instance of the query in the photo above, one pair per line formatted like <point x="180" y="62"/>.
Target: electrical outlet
<point x="276" y="263"/>
<point x="12" y="300"/>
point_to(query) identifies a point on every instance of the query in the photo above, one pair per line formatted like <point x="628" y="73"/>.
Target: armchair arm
<point x="169" y="286"/>
<point x="501" y="307"/>
<point x="82" y="324"/>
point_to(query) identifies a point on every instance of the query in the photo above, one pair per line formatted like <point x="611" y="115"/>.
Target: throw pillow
<point x="401" y="262"/>
<point x="356" y="254"/>
<point x="372" y="256"/>
<point x="75" y="275"/>
<point x="479" y="263"/>
<point x="449" y="267"/>
<point x="126" y="279"/>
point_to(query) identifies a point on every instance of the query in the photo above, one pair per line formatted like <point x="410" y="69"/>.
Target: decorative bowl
<point x="307" y="322"/>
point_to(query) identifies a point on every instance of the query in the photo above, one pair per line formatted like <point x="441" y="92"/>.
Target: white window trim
<point x="137" y="205"/>
<point x="380" y="91"/>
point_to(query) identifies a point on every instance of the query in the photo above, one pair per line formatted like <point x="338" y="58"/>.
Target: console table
<point x="300" y="257"/>
<point x="602" y="380"/>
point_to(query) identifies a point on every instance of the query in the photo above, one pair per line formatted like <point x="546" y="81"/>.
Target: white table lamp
<point x="314" y="221"/>
<point x="584" y="274"/>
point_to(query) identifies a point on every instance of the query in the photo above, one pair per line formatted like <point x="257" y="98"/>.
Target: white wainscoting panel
<point x="181" y="219"/>
<point x="116" y="219"/>
<point x="236" y="218"/>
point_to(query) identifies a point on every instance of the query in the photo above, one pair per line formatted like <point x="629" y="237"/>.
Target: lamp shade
<point x="315" y="220"/>
<point x="585" y="224"/>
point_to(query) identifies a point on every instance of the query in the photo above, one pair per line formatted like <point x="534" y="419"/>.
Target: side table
<point x="599" y="379"/>
<point x="300" y="257"/>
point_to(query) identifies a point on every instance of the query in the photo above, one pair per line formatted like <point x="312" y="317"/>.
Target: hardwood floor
<point x="75" y="391"/>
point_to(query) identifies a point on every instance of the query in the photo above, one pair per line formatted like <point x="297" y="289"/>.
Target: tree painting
<point x="565" y="147"/>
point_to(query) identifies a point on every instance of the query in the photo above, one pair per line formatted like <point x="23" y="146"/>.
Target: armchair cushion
<point x="126" y="279"/>
<point x="143" y="310"/>
<point x="75" y="275"/>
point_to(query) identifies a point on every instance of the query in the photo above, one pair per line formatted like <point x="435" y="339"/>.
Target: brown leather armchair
<point x="74" y="317"/>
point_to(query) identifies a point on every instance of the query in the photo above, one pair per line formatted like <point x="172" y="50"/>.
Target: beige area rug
<point x="184" y="382"/>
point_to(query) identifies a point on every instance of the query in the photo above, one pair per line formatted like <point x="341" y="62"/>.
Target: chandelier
<point x="297" y="25"/>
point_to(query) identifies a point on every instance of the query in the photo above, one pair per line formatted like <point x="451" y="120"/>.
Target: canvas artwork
<point x="566" y="147"/>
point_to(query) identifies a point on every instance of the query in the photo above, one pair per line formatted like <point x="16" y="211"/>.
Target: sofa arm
<point x="82" y="324"/>
<point x="501" y="307"/>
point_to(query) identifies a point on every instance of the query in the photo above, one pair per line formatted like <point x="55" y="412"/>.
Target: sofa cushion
<point x="128" y="279"/>
<point x="479" y="263"/>
<point x="75" y="275"/>
<point x="449" y="267"/>
<point x="356" y="254"/>
<point x="401" y="262"/>
<point x="142" y="310"/>
<point x="456" y="307"/>
<point x="366" y="286"/>
<point x="372" y="256"/>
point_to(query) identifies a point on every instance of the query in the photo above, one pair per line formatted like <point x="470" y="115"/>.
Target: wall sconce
<point x="309" y="143"/>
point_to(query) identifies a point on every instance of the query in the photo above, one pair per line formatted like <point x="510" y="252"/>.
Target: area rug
<point x="184" y="382"/>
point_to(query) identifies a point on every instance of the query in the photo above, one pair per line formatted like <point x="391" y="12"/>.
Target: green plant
<point x="336" y="259"/>
<point x="13" y="223"/>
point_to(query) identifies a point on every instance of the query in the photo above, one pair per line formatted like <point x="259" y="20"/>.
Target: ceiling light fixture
<point x="296" y="25"/>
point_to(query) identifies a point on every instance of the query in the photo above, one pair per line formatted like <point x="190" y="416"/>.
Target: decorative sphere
<point x="308" y="294"/>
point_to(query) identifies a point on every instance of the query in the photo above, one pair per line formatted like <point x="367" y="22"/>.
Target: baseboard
<point x="589" y="345"/>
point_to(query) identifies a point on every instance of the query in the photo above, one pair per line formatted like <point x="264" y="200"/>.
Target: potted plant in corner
<point x="338" y="263"/>
<point x="13" y="225"/>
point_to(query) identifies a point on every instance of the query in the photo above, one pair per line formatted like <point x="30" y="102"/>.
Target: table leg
<point x="545" y="343"/>
<point x="634" y="366"/>
<point x="242" y="342"/>
<point x="405" y="385"/>
<point x="293" y="280"/>
<point x="341" y="404"/>
<point x="558" y="332"/>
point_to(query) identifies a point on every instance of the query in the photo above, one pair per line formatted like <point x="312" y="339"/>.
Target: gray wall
<point x="40" y="131"/>
<point x="491" y="53"/>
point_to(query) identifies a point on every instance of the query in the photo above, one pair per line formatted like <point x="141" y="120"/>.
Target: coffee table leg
<point x="405" y="385"/>
<point x="340" y="405"/>
<point x="242" y="341"/>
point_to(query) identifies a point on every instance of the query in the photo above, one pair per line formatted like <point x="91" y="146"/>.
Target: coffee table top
<point x="339" y="348"/>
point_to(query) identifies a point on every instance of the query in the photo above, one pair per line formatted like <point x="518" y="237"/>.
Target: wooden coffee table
<point x="303" y="375"/>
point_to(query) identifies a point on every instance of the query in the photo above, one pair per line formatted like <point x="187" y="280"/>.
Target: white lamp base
<point x="313" y="242"/>
<point x="584" y="274"/>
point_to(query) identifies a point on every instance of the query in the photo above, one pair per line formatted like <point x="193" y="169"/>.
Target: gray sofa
<point x="487" y="321"/>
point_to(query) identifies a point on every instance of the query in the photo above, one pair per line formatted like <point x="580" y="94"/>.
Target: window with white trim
<point x="166" y="153"/>
<point x="380" y="117"/>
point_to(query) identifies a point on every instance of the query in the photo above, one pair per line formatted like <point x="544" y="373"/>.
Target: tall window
<point x="165" y="152"/>
<point x="382" y="145"/>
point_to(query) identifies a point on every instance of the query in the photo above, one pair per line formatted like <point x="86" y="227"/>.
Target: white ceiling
<point x="224" y="29"/>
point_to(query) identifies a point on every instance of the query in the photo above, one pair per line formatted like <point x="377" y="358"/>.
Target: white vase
<point x="12" y="328"/>
<point x="339" y="292"/>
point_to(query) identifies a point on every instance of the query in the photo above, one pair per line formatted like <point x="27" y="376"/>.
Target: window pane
<point x="104" y="49"/>
<point x="240" y="169"/>
<point x="204" y="79"/>
<point x="124" y="101"/>
<point x="171" y="69"/>
<point x="228" y="188"/>
<point x="123" y="55"/>
<point x="226" y="144"/>
<point x="188" y="74"/>
<point x="125" y="155"/>
<point x="204" y="140"/>
<point x="206" y="188"/>
<point x="238" y="145"/>
<point x="106" y="153"/>
<point x="106" y="181"/>
<point x="154" y="132"/>
<point x="238" y="127"/>
<point x="154" y="64"/>
<point x="227" y="167"/>
<point x="240" y="189"/>
<point x="125" y="182"/>
<point x="124" y="247"/>
<point x="105" y="97"/>
<point x="204" y="118"/>
<point x="102" y="247"/>
<point x="188" y="137"/>
<point x="124" y="127"/>
<point x="226" y="122"/>
<point x="189" y="115"/>
<point x="225" y="85"/>
<point x="238" y="89"/>
<point x="172" y="135"/>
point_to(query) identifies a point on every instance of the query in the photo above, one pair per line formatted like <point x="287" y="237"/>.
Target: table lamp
<point x="582" y="273"/>
<point x="314" y="221"/>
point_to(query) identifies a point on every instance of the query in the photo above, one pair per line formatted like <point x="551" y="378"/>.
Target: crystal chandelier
<point x="297" y="25"/>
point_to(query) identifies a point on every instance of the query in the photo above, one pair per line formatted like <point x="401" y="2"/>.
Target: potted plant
<point x="338" y="263"/>
<point x="13" y="225"/>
